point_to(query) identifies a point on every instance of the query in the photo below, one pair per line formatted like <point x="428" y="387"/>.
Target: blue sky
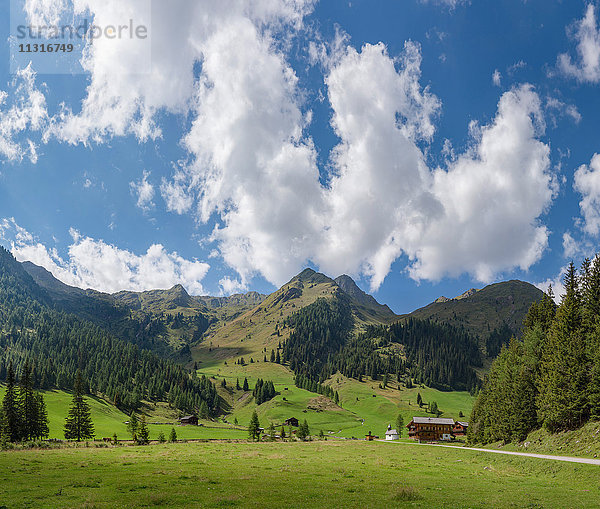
<point x="423" y="147"/>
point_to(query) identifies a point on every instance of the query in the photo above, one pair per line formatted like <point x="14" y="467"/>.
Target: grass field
<point x="331" y="474"/>
<point x="364" y="405"/>
<point x="109" y="420"/>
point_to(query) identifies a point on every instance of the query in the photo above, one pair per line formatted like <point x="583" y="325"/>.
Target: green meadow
<point x="323" y="474"/>
<point x="109" y="420"/>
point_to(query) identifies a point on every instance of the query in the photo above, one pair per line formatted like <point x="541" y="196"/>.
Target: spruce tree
<point x="253" y="427"/>
<point x="133" y="427"/>
<point x="4" y="432"/>
<point x="562" y="386"/>
<point x="27" y="404"/>
<point x="41" y="429"/>
<point x="303" y="431"/>
<point x="399" y="424"/>
<point x="143" y="435"/>
<point x="245" y="386"/>
<point x="78" y="424"/>
<point x="419" y="399"/>
<point x="10" y="406"/>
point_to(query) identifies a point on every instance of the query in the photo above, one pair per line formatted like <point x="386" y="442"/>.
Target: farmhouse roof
<point x="391" y="432"/>
<point x="463" y="423"/>
<point x="187" y="417"/>
<point x="433" y="420"/>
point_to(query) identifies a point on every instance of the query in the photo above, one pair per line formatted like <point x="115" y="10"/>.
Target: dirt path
<point x="572" y="459"/>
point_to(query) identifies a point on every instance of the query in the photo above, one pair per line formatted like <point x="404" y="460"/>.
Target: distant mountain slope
<point x="34" y="327"/>
<point x="483" y="311"/>
<point x="166" y="321"/>
<point x="365" y="306"/>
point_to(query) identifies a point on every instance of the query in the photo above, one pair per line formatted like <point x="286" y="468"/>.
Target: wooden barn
<point x="460" y="428"/>
<point x="189" y="419"/>
<point x="431" y="428"/>
<point x="292" y="421"/>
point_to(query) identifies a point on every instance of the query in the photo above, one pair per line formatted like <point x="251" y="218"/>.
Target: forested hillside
<point x="58" y="343"/>
<point x="321" y="344"/>
<point x="493" y="314"/>
<point x="550" y="377"/>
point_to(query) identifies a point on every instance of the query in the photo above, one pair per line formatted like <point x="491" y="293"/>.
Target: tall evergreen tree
<point x="78" y="425"/>
<point x="41" y="425"/>
<point x="10" y="405"/>
<point x="399" y="424"/>
<point x="254" y="427"/>
<point x="143" y="435"/>
<point x="28" y="406"/>
<point x="562" y="386"/>
<point x="133" y="426"/>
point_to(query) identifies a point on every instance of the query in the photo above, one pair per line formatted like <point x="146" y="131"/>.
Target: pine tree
<point x="161" y="437"/>
<point x="10" y="407"/>
<point x="4" y="431"/>
<point x="27" y="404"/>
<point x="282" y="432"/>
<point x="303" y="431"/>
<point x="204" y="411"/>
<point x="173" y="436"/>
<point x="143" y="434"/>
<point x="271" y="432"/>
<point x="399" y="424"/>
<point x="41" y="429"/>
<point x="253" y="427"/>
<point x="237" y="384"/>
<point x="245" y="386"/>
<point x="78" y="424"/>
<point x="133" y="427"/>
<point x="563" y="396"/>
<point x="419" y="399"/>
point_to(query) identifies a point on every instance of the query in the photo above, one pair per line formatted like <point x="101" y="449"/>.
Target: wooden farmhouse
<point x="460" y="428"/>
<point x="431" y="428"/>
<point x="189" y="419"/>
<point x="292" y="421"/>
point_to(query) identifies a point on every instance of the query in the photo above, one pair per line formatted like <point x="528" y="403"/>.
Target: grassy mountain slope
<point x="482" y="311"/>
<point x="364" y="405"/>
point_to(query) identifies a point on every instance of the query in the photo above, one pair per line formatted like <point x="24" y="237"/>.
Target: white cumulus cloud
<point x="22" y="110"/>
<point x="252" y="164"/>
<point x="586" y="34"/>
<point x="143" y="191"/>
<point x="587" y="184"/>
<point x="96" y="264"/>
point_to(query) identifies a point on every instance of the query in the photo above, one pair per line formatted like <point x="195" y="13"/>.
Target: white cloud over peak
<point x="253" y="165"/>
<point x="586" y="34"/>
<point x="492" y="197"/>
<point x="587" y="184"/>
<point x="378" y="198"/>
<point x="95" y="264"/>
